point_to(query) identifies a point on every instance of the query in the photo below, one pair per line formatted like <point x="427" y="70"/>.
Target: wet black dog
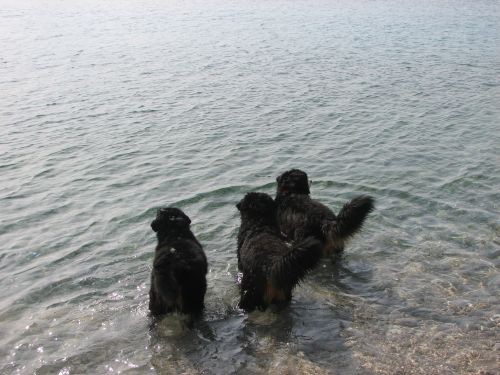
<point x="271" y="267"/>
<point x="300" y="216"/>
<point x="178" y="279"/>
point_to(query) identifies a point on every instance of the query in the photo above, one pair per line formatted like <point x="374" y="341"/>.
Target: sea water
<point x="109" y="110"/>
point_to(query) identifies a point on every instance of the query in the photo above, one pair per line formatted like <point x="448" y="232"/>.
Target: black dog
<point x="178" y="279"/>
<point x="300" y="216"/>
<point x="271" y="268"/>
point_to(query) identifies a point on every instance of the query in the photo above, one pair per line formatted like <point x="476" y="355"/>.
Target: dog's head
<point x="293" y="181"/>
<point x="170" y="218"/>
<point x="257" y="204"/>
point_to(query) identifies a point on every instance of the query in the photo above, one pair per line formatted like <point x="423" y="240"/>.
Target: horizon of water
<point x="110" y="110"/>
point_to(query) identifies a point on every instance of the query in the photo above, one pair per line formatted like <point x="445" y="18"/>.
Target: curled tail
<point x="352" y="216"/>
<point x="289" y="269"/>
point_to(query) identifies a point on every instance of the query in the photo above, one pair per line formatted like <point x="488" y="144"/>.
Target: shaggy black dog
<point x="178" y="279"/>
<point x="271" y="267"/>
<point x="300" y="216"/>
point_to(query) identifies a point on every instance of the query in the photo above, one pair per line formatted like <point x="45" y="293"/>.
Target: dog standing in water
<point x="271" y="267"/>
<point x="178" y="278"/>
<point x="300" y="216"/>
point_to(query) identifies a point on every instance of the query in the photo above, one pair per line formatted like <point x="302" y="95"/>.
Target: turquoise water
<point x="111" y="109"/>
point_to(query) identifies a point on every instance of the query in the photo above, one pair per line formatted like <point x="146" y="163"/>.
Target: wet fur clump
<point x="299" y="216"/>
<point x="271" y="267"/>
<point x="178" y="278"/>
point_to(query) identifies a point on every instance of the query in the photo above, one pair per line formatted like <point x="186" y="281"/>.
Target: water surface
<point x="111" y="109"/>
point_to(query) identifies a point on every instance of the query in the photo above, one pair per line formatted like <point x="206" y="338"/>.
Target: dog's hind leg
<point x="252" y="292"/>
<point x="193" y="295"/>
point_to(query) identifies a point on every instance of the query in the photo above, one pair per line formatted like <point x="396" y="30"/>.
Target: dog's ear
<point x="155" y="225"/>
<point x="238" y="206"/>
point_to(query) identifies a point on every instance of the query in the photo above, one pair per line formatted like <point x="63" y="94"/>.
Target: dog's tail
<point x="303" y="256"/>
<point x="352" y="216"/>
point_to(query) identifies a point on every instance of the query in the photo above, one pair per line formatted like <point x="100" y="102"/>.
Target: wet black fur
<point x="178" y="278"/>
<point x="267" y="262"/>
<point x="300" y="216"/>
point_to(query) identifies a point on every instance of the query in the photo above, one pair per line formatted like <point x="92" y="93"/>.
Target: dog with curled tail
<point x="271" y="267"/>
<point x="300" y="216"/>
<point x="178" y="278"/>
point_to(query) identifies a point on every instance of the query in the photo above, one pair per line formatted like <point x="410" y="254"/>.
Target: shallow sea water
<point x="111" y="109"/>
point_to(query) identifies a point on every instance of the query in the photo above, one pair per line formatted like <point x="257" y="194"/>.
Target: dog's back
<point x="178" y="278"/>
<point x="299" y="216"/>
